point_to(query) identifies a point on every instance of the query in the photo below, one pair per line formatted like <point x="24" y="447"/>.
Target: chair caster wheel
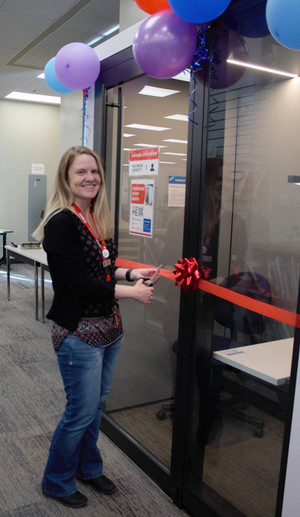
<point x="161" y="414"/>
<point x="259" y="432"/>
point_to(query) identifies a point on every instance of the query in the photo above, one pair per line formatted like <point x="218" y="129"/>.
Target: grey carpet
<point x="31" y="403"/>
<point x="154" y="434"/>
<point x="239" y="466"/>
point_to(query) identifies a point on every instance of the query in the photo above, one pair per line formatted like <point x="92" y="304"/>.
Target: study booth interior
<point x="227" y="141"/>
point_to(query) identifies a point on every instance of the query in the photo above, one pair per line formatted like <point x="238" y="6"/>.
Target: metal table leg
<point x="3" y="258"/>
<point x="36" y="289"/>
<point x="43" y="292"/>
<point x="8" y="275"/>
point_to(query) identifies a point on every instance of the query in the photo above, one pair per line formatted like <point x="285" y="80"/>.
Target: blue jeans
<point x="87" y="374"/>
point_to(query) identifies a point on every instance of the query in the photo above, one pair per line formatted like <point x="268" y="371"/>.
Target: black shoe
<point x="76" y="500"/>
<point x="101" y="484"/>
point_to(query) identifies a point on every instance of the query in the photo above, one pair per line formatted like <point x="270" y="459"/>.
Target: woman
<point x="87" y="328"/>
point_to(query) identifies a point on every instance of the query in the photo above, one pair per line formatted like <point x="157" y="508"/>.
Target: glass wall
<point x="251" y="245"/>
<point x="239" y="217"/>
<point x="153" y="127"/>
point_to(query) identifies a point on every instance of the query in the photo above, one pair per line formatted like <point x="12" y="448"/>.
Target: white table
<point x="270" y="361"/>
<point x="36" y="257"/>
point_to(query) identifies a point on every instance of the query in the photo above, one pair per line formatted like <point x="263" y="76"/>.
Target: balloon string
<point x="192" y="101"/>
<point x="86" y="128"/>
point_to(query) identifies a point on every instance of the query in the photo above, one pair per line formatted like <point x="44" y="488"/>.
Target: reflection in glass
<point x="250" y="246"/>
<point x="141" y="401"/>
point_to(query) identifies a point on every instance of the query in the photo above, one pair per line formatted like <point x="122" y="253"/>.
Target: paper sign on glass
<point x="144" y="162"/>
<point x="176" y="191"/>
<point x="141" y="207"/>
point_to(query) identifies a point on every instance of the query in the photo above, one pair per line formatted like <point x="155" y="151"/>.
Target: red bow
<point x="187" y="274"/>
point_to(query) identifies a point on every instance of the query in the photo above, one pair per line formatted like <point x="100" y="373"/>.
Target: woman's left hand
<point x="145" y="273"/>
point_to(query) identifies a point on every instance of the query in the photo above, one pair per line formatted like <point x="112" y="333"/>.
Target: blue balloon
<point x="199" y="11"/>
<point x="283" y="19"/>
<point x="51" y="79"/>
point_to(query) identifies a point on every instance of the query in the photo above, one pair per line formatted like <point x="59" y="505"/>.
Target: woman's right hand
<point x="142" y="293"/>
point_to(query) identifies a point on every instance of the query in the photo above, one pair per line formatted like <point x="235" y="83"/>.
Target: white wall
<point x="71" y="120"/>
<point x="29" y="133"/>
<point x="32" y="133"/>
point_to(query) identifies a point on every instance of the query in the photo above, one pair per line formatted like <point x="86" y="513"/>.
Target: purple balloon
<point x="77" y="66"/>
<point x="164" y="44"/>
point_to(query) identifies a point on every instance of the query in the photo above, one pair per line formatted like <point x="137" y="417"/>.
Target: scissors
<point x="150" y="281"/>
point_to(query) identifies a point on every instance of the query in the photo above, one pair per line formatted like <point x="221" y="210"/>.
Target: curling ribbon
<point x="201" y="54"/>
<point x="265" y="309"/>
<point x="86" y="128"/>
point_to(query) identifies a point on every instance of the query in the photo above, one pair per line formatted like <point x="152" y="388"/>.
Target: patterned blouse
<point x="101" y="323"/>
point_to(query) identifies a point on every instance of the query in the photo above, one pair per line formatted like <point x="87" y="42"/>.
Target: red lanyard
<point x="101" y="244"/>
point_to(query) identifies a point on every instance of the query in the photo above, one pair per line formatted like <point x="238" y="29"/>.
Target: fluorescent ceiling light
<point x="174" y="141"/>
<point x="127" y="149"/>
<point x="111" y="30"/>
<point x="153" y="91"/>
<point x="184" y="118"/>
<point x="150" y="145"/>
<point x="127" y="135"/>
<point x="104" y="35"/>
<point x="261" y="68"/>
<point x="168" y="163"/>
<point x="33" y="97"/>
<point x="176" y="154"/>
<point x="183" y="76"/>
<point x="148" y="128"/>
<point x="41" y="76"/>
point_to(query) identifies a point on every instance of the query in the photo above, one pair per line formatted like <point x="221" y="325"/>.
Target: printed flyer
<point x="141" y="207"/>
<point x="144" y="162"/>
<point x="176" y="191"/>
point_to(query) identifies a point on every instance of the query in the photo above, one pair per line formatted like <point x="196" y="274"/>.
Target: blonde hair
<point x="62" y="196"/>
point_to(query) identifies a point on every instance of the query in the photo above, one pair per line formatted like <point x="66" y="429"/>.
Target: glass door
<point x="240" y="393"/>
<point x="146" y="151"/>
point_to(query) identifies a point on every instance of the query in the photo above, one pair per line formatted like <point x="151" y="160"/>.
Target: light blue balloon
<point x="283" y="19"/>
<point x="51" y="79"/>
<point x="199" y="11"/>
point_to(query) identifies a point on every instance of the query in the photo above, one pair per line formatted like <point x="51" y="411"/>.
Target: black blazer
<point x="72" y="282"/>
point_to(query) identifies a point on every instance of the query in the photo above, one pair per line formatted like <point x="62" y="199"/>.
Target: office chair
<point x="240" y="321"/>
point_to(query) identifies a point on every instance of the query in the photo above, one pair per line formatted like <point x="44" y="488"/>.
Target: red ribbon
<point x="188" y="269"/>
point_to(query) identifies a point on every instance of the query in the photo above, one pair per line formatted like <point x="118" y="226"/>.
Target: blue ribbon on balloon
<point x="86" y="128"/>
<point x="202" y="54"/>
